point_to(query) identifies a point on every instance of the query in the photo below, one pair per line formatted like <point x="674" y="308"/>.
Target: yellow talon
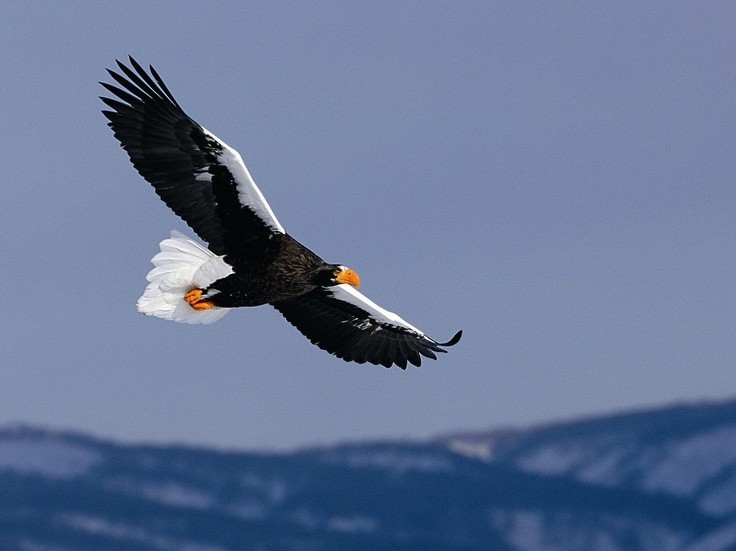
<point x="203" y="305"/>
<point x="194" y="298"/>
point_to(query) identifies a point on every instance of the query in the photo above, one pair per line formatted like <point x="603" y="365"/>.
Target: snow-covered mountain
<point x="655" y="480"/>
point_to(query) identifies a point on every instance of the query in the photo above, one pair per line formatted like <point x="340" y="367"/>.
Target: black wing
<point x="201" y="178"/>
<point x="345" y="323"/>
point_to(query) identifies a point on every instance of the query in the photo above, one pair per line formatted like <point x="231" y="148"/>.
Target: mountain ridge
<point x="659" y="479"/>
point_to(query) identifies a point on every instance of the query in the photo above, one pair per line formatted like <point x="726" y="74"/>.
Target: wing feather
<point x="200" y="177"/>
<point x="344" y="322"/>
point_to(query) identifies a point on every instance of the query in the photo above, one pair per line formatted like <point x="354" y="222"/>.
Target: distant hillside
<point x="654" y="480"/>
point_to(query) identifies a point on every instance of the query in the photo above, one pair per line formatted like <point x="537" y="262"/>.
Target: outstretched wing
<point x="347" y="324"/>
<point x="200" y="177"/>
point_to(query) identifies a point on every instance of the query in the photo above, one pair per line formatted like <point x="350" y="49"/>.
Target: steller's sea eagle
<point x="250" y="259"/>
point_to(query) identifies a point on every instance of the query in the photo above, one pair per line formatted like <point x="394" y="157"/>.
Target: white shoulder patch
<point x="349" y="294"/>
<point x="248" y="191"/>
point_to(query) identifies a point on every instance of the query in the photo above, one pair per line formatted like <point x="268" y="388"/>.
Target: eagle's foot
<point x="194" y="298"/>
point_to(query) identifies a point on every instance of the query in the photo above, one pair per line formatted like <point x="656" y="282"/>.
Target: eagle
<point x="249" y="259"/>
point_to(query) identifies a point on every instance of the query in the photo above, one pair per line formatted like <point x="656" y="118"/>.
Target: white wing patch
<point x="248" y="191"/>
<point x="349" y="294"/>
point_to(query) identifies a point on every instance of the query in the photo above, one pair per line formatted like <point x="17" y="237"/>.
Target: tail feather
<point x="182" y="265"/>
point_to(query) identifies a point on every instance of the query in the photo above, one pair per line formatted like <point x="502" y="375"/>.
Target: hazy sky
<point x="557" y="179"/>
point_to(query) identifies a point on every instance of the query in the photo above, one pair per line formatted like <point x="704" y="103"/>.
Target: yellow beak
<point x="348" y="276"/>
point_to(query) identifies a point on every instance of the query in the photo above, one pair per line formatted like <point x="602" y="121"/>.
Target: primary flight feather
<point x="250" y="259"/>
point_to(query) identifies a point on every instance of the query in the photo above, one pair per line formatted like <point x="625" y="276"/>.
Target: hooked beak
<point x="348" y="276"/>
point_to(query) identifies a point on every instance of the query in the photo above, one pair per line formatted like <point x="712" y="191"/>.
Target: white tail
<point x="181" y="266"/>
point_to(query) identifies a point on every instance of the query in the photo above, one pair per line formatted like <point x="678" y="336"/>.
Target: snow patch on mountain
<point x="352" y="525"/>
<point x="273" y="490"/>
<point x="177" y="495"/>
<point x="396" y="460"/>
<point x="130" y="534"/>
<point x="602" y="460"/>
<point x="545" y="531"/>
<point x="555" y="459"/>
<point x="687" y="464"/>
<point x="47" y="456"/>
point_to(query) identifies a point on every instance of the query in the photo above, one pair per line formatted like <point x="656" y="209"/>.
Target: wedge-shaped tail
<point x="181" y="266"/>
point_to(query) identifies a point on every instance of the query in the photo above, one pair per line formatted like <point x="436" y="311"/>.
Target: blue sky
<point x="557" y="179"/>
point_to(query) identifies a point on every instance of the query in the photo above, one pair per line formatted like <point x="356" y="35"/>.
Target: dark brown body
<point x="285" y="269"/>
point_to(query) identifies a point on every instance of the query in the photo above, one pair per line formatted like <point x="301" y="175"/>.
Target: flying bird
<point x="250" y="259"/>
